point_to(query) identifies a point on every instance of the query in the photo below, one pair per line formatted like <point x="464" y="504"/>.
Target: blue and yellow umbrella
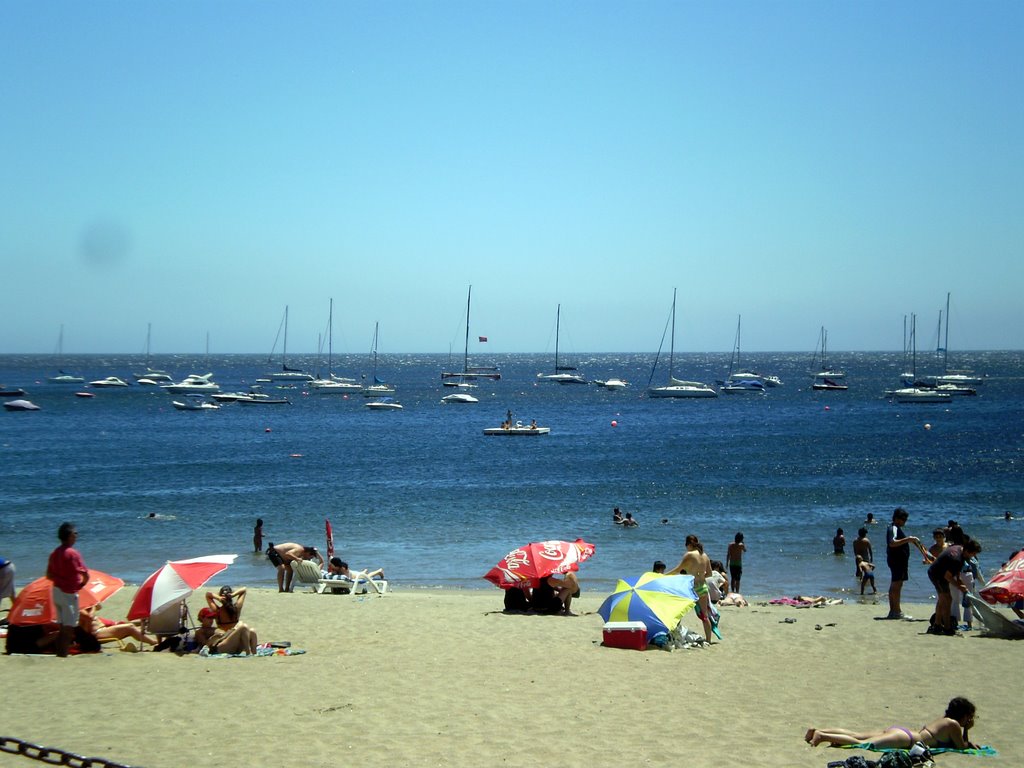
<point x="657" y="600"/>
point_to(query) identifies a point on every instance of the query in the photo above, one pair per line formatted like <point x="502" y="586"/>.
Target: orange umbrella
<point x="34" y="604"/>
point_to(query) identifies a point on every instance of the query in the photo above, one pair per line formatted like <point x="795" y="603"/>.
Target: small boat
<point x="17" y="392"/>
<point x="378" y="388"/>
<point x="62" y="376"/>
<point x="151" y="375"/>
<point x="823" y="383"/>
<point x="827" y="379"/>
<point x="194" y="383"/>
<point x="21" y="405"/>
<point x="563" y="374"/>
<point x="194" y="403"/>
<point x="612" y="384"/>
<point x="743" y="386"/>
<point x="919" y="395"/>
<point x="286" y="373"/>
<point x="109" y="382"/>
<point x="259" y="398"/>
<point x="459" y="397"/>
<point x="84" y="394"/>
<point x="510" y="428"/>
<point x="384" y="404"/>
<point x="676" y="387"/>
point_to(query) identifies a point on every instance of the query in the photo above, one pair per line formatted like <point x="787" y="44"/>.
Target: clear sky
<point x="200" y="165"/>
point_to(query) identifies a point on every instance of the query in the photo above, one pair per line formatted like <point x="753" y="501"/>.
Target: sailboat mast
<point x="913" y="347"/>
<point x="558" y="323"/>
<point x="330" y="338"/>
<point x="672" y="340"/>
<point x="465" y="354"/>
<point x="284" y="349"/>
<point x="376" y="327"/>
<point x="945" y="344"/>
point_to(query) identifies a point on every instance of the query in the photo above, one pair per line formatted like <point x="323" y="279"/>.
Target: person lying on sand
<point x="108" y="629"/>
<point x="948" y="731"/>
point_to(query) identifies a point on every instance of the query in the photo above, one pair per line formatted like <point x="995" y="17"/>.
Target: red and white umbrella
<point x="1007" y="586"/>
<point x="34" y="604"/>
<point x="174" y="582"/>
<point x="537" y="560"/>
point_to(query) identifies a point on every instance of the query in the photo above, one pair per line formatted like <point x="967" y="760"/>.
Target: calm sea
<point x="423" y="493"/>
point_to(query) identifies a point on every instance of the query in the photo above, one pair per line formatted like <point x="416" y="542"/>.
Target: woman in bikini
<point x="697" y="564"/>
<point x="948" y="731"/>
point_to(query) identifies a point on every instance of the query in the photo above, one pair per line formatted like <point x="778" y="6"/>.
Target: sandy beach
<point x="442" y="678"/>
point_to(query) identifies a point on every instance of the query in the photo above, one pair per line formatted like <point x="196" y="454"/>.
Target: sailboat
<point x="677" y="387"/>
<point x="378" y="388"/>
<point x="563" y="374"/>
<point x="916" y="394"/>
<point x="295" y="375"/>
<point x="954" y="377"/>
<point x="63" y="377"/>
<point x="741" y="381"/>
<point x="827" y="379"/>
<point x="332" y="385"/>
<point x="468" y="372"/>
<point x="152" y="376"/>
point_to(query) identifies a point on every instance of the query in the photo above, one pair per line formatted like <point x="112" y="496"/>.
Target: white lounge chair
<point x="308" y="572"/>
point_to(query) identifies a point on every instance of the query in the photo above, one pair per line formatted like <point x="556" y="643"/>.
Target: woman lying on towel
<point x="948" y="731"/>
<point x="108" y="629"/>
<point x="239" y="639"/>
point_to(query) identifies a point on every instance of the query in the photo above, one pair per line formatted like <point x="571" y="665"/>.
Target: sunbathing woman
<point x="238" y="639"/>
<point x="227" y="605"/>
<point x="948" y="731"/>
<point x="107" y="629"/>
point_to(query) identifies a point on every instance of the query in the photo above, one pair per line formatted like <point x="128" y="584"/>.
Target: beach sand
<point x="442" y="678"/>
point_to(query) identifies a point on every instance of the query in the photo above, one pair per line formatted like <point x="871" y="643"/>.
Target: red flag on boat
<point x="330" y="538"/>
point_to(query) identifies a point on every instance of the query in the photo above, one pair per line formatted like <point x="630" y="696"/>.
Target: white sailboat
<point x="62" y="376"/>
<point x="294" y="375"/>
<point x="151" y="376"/>
<point x="916" y="394"/>
<point x="741" y="381"/>
<point x="677" y="387"/>
<point x="827" y="379"/>
<point x="953" y="378"/>
<point x="378" y="388"/>
<point x="563" y="374"/>
<point x="468" y="372"/>
<point x="333" y="385"/>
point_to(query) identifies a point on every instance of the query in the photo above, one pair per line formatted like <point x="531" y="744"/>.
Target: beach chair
<point x="308" y="572"/>
<point x="995" y="622"/>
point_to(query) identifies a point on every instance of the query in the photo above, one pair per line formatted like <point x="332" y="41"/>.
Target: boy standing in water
<point x="734" y="559"/>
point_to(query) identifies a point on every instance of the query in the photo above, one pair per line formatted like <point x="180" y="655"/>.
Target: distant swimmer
<point x="158" y="516"/>
<point x="870" y="519"/>
<point x="1007" y="516"/>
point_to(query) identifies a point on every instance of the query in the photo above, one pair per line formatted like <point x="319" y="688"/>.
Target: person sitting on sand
<point x="866" y="571"/>
<point x="718" y="582"/>
<point x="658" y="567"/>
<point x="554" y="595"/>
<point x="108" y="629"/>
<point x="283" y="555"/>
<point x="227" y="605"/>
<point x="238" y="639"/>
<point x="948" y="732"/>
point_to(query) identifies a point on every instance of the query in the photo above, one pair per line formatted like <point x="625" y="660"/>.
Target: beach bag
<point x="898" y="759"/>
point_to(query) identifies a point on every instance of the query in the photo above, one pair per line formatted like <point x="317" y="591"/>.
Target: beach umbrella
<point x="330" y="538"/>
<point x="174" y="582"/>
<point x="34" y="604"/>
<point x="1007" y="586"/>
<point x="524" y="566"/>
<point x="656" y="600"/>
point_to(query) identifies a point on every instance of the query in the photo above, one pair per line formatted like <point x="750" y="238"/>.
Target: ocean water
<point x="424" y="494"/>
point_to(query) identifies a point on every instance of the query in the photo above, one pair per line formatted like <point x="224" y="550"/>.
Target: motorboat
<point x="16" y="392"/>
<point x="202" y="384"/>
<point x="110" y="381"/>
<point x="459" y="397"/>
<point x="743" y="387"/>
<point x="612" y="384"/>
<point x="195" y="403"/>
<point x="259" y="398"/>
<point x="678" y="388"/>
<point x="510" y="428"/>
<point x="825" y="383"/>
<point x="919" y="395"/>
<point x="384" y="404"/>
<point x="335" y="385"/>
<point x="459" y="383"/>
<point x="20" y="405"/>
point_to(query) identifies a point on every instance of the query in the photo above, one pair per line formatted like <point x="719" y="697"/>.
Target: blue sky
<point x="200" y="165"/>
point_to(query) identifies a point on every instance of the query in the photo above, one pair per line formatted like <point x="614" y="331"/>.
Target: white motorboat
<point x="335" y="386"/>
<point x="471" y="372"/>
<point x="201" y="384"/>
<point x="510" y="428"/>
<point x="20" y="405"/>
<point x="459" y="397"/>
<point x="110" y="381"/>
<point x="194" y="403"/>
<point x="677" y="387"/>
<point x="384" y="404"/>
<point x="743" y="387"/>
<point x="612" y="384"/>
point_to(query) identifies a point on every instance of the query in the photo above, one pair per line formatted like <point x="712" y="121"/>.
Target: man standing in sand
<point x="283" y="555"/>
<point x="897" y="557"/>
<point x="67" y="571"/>
<point x="697" y="564"/>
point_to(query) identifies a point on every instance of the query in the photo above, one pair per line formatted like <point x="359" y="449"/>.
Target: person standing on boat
<point x="66" y="569"/>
